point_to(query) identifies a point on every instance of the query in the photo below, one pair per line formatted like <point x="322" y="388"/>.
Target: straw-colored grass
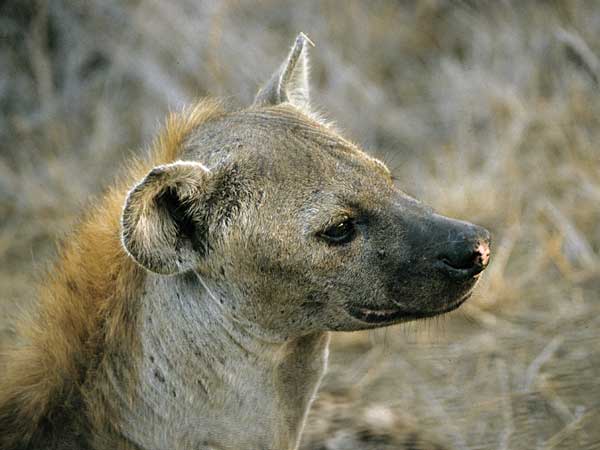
<point x="487" y="110"/>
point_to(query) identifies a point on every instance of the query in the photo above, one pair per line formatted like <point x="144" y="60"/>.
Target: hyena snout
<point x="466" y="250"/>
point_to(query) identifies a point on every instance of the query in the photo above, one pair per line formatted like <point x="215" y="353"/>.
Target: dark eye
<point x="340" y="233"/>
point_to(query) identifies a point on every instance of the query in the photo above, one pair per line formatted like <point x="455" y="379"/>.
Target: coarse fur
<point x="83" y="325"/>
<point x="192" y="307"/>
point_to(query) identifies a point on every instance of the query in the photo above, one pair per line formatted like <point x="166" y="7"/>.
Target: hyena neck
<point x="204" y="382"/>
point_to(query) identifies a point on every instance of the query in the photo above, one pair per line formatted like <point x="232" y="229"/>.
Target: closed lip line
<point x="372" y="315"/>
<point x="473" y="272"/>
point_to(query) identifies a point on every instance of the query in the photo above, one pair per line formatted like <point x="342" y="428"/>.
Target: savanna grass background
<point x="487" y="110"/>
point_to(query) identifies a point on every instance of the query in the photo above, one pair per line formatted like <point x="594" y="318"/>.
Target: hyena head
<point x="292" y="228"/>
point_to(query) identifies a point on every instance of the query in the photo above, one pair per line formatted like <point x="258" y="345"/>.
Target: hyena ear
<point x="290" y="82"/>
<point x="164" y="224"/>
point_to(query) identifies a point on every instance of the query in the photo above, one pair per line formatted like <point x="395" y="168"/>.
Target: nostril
<point x="467" y="261"/>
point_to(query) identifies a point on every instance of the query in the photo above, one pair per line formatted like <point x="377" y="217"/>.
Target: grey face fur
<point x="292" y="231"/>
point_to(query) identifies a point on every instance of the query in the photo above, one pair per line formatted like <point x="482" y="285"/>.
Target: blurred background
<point x="487" y="110"/>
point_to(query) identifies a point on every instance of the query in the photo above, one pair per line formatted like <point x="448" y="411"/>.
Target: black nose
<point x="467" y="252"/>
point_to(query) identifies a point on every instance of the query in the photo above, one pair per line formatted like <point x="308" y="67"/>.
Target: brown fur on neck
<point x="52" y="377"/>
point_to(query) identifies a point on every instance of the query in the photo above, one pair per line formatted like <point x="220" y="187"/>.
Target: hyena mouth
<point x="375" y="315"/>
<point x="383" y="316"/>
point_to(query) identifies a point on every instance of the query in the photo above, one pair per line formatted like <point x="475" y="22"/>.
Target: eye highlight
<point x="340" y="233"/>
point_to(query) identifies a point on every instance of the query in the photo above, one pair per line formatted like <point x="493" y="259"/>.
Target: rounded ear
<point x="163" y="225"/>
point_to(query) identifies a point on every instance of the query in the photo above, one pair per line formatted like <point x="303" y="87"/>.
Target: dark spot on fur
<point x="151" y="358"/>
<point x="174" y="393"/>
<point x="159" y="376"/>
<point x="71" y="285"/>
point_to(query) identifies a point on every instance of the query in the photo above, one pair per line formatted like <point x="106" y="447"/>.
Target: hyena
<point x="191" y="308"/>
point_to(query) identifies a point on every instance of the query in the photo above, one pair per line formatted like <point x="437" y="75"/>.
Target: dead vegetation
<point x="487" y="110"/>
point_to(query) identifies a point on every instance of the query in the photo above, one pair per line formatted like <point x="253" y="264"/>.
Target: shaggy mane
<point x="86" y="306"/>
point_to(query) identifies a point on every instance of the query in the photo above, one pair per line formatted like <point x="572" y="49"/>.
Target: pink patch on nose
<point x="483" y="250"/>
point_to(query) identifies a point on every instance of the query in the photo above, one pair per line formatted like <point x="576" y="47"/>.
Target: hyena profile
<point x="191" y="308"/>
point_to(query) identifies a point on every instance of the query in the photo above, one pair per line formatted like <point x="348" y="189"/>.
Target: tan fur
<point x="85" y="305"/>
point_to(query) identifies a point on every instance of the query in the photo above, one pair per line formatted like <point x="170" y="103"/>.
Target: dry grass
<point x="487" y="110"/>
